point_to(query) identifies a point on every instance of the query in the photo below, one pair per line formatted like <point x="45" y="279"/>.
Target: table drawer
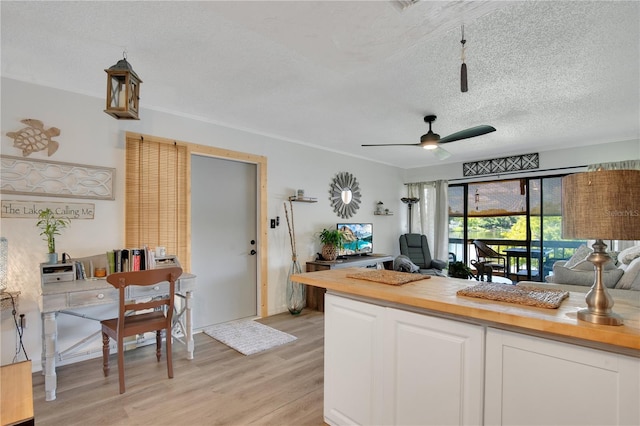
<point x="148" y="291"/>
<point x="54" y="302"/>
<point x="93" y="297"/>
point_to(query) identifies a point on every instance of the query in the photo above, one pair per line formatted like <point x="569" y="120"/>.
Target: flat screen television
<point x="357" y="239"/>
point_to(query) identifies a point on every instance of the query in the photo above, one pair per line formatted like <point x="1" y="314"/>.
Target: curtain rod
<point x="471" y="178"/>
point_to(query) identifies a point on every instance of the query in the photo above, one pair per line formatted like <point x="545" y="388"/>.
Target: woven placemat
<point x="520" y="294"/>
<point x="386" y="276"/>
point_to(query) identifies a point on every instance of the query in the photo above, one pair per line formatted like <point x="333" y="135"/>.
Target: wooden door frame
<point x="261" y="203"/>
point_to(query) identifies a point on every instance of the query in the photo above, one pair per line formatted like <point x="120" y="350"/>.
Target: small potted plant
<point x="459" y="270"/>
<point x="50" y="226"/>
<point x="331" y="241"/>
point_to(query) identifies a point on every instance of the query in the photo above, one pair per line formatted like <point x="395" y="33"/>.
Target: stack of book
<point x="121" y="260"/>
<point x="134" y="259"/>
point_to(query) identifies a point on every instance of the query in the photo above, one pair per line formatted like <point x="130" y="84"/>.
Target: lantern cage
<point x="123" y="91"/>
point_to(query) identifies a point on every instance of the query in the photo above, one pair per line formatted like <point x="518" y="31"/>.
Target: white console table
<point x="64" y="297"/>
<point x="315" y="295"/>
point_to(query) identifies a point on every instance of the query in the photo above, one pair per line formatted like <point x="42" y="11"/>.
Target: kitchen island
<point x="420" y="354"/>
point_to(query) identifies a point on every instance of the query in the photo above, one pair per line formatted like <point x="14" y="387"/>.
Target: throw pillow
<point x="562" y="275"/>
<point x="631" y="278"/>
<point x="585" y="265"/>
<point x="580" y="254"/>
<point x="627" y="255"/>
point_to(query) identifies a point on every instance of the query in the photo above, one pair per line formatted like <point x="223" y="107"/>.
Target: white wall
<point x="91" y="137"/>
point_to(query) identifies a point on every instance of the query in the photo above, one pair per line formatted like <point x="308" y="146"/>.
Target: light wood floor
<point x="282" y="386"/>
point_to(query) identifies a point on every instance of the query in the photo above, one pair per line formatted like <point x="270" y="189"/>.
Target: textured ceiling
<point x="339" y="74"/>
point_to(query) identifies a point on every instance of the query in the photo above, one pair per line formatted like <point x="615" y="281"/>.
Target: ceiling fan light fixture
<point x="430" y="145"/>
<point x="429" y="140"/>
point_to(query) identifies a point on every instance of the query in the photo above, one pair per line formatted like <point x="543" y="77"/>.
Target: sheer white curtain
<point x="618" y="165"/>
<point x="430" y="216"/>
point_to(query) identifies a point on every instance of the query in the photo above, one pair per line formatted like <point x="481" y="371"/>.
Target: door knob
<point x="253" y="252"/>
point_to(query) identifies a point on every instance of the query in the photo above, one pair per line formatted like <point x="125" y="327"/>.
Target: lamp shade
<point x="604" y="204"/>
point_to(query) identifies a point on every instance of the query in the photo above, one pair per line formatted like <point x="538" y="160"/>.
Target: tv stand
<point x="315" y="295"/>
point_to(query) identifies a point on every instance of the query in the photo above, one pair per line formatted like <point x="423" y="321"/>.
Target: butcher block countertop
<point x="437" y="295"/>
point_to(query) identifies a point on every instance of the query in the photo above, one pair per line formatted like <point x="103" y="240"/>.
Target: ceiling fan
<point x="432" y="141"/>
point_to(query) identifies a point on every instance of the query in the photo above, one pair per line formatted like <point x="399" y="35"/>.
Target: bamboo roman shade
<point x="501" y="198"/>
<point x="156" y="209"/>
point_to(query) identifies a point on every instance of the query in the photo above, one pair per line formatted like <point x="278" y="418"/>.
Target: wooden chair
<point x="489" y="257"/>
<point x="131" y="323"/>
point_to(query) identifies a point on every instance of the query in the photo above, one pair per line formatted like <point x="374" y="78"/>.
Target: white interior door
<point x="223" y="239"/>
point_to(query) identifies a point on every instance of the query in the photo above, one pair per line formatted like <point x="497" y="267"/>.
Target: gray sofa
<point x="621" y="274"/>
<point x="583" y="275"/>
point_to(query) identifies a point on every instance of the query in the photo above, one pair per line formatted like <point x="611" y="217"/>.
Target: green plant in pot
<point x="459" y="270"/>
<point x="50" y="226"/>
<point x="331" y="241"/>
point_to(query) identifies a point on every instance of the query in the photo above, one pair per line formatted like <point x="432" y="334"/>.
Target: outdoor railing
<point x="552" y="252"/>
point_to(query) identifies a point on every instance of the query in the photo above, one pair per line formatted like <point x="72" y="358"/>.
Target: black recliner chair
<point x="416" y="248"/>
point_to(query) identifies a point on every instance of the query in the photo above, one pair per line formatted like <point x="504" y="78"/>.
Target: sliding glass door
<point x="519" y="218"/>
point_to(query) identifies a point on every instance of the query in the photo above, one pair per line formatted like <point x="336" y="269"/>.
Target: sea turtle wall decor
<point x="35" y="137"/>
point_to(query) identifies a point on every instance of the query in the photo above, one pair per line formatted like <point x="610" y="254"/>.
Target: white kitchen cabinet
<point x="536" y="381"/>
<point x="388" y="366"/>
<point x="433" y="370"/>
<point x="353" y="361"/>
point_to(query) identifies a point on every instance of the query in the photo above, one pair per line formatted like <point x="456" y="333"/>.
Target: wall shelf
<point x="383" y="213"/>
<point x="303" y="199"/>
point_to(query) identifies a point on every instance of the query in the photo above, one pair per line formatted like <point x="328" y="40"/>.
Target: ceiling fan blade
<point x="468" y="133"/>
<point x="395" y="144"/>
<point x="441" y="154"/>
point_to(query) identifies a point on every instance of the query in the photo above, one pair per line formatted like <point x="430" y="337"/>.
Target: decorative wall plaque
<point x="502" y="165"/>
<point x="55" y="179"/>
<point x="35" y="137"/>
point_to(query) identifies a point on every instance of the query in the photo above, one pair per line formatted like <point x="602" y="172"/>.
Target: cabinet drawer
<point x="92" y="297"/>
<point x="148" y="291"/>
<point x="57" y="278"/>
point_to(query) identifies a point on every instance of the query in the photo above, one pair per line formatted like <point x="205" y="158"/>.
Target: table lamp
<point x="601" y="205"/>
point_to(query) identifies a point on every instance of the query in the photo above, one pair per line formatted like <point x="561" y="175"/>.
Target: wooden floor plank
<point x="282" y="386"/>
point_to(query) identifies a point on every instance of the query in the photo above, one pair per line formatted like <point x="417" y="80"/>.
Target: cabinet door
<point x="433" y="370"/>
<point x="352" y="361"/>
<point x="531" y="380"/>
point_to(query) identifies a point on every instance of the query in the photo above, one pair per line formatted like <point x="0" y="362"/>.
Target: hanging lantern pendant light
<point x="463" y="70"/>
<point x="123" y="91"/>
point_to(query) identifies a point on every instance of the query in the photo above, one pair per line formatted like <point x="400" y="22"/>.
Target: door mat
<point x="385" y="276"/>
<point x="520" y="294"/>
<point x="248" y="337"/>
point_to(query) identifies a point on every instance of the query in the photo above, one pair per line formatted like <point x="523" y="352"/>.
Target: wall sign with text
<point x="31" y="209"/>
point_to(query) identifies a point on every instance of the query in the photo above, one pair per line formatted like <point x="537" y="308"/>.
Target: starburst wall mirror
<point x="345" y="195"/>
